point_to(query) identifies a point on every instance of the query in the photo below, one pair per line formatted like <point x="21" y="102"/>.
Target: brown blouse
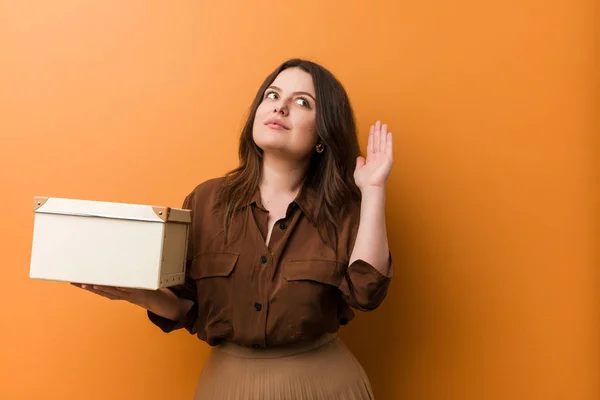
<point x="295" y="289"/>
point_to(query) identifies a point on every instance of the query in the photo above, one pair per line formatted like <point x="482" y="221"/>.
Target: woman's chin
<point x="270" y="144"/>
<point x="274" y="149"/>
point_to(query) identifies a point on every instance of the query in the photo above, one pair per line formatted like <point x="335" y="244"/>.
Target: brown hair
<point x="331" y="172"/>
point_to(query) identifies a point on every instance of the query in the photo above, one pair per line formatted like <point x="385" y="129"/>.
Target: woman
<point x="284" y="247"/>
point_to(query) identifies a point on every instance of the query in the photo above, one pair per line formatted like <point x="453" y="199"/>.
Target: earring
<point x="320" y="148"/>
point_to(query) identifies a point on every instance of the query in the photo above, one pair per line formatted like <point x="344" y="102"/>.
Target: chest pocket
<point x="328" y="272"/>
<point x="213" y="265"/>
<point x="213" y="274"/>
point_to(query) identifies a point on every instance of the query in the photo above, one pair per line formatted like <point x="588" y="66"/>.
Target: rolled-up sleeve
<point x="186" y="291"/>
<point x="364" y="287"/>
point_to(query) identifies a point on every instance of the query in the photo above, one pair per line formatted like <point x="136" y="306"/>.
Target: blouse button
<point x="258" y="306"/>
<point x="282" y="225"/>
<point x="263" y="259"/>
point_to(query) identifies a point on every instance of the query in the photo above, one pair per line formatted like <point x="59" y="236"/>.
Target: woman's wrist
<point x="373" y="195"/>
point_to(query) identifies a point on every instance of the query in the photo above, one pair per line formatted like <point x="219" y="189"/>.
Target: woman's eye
<point x="303" y="102"/>
<point x="272" y="95"/>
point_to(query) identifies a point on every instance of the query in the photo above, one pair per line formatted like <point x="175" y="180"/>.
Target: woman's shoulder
<point x="205" y="193"/>
<point x="351" y="209"/>
<point x="208" y="186"/>
<point x="349" y="219"/>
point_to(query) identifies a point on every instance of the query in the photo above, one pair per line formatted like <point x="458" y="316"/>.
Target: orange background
<point x="492" y="218"/>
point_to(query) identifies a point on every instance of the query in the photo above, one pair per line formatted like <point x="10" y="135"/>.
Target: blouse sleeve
<point x="364" y="287"/>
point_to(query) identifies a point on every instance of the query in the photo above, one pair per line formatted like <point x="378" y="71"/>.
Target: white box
<point x="113" y="244"/>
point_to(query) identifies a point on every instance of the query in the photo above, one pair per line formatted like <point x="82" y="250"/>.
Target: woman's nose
<point x="280" y="109"/>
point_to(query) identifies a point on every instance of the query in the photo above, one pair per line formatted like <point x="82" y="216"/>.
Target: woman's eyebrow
<point x="305" y="93"/>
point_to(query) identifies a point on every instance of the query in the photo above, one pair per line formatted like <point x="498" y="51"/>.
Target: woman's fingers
<point x="100" y="292"/>
<point x="383" y="139"/>
<point x="378" y="142"/>
<point x="109" y="292"/>
<point x="376" y="137"/>
<point x="370" y="143"/>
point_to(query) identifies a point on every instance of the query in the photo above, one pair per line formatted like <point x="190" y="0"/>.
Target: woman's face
<point x="284" y="123"/>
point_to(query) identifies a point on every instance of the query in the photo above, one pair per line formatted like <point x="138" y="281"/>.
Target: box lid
<point x="104" y="209"/>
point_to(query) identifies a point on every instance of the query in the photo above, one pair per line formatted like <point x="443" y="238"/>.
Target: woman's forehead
<point x="294" y="80"/>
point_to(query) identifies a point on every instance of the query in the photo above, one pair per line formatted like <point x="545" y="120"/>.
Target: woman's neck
<point x="279" y="177"/>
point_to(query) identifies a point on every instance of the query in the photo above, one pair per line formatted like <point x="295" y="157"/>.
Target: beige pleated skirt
<point x="322" y="370"/>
